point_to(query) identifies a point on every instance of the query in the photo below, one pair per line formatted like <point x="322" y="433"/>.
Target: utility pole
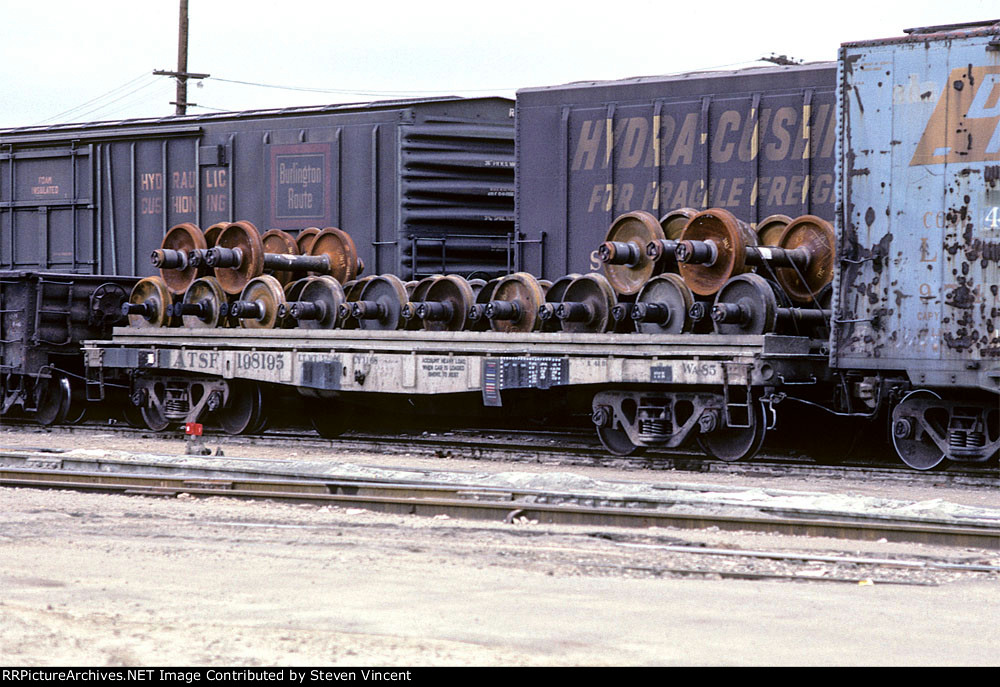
<point x="783" y="60"/>
<point x="182" y="74"/>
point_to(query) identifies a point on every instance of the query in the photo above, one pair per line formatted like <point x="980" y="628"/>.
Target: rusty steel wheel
<point x="281" y="243"/>
<point x="207" y="294"/>
<point x="673" y="222"/>
<point x="771" y="228"/>
<point x="381" y="304"/>
<point x="153" y="297"/>
<point x="623" y="252"/>
<point x="305" y="239"/>
<point x="729" y="238"/>
<point x="445" y="308"/>
<point x="183" y="238"/>
<point x="586" y="305"/>
<point x="212" y="233"/>
<point x="515" y="304"/>
<point x="339" y="248"/>
<point x="245" y="237"/>
<point x="662" y="306"/>
<point x="266" y="293"/>
<point x="817" y="236"/>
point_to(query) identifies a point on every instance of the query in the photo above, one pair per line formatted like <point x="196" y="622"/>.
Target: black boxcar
<point x="399" y="176"/>
<point x="756" y="142"/>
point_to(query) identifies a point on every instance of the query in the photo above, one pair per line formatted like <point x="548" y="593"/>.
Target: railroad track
<point x="564" y="448"/>
<point x="507" y="504"/>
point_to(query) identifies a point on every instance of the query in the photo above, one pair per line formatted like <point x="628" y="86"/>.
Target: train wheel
<point x="332" y="420"/>
<point x="244" y="414"/>
<point x="77" y="403"/>
<point x="616" y="441"/>
<point x="910" y="437"/>
<point x="53" y="397"/>
<point x="736" y="443"/>
<point x="154" y="418"/>
<point x="133" y="416"/>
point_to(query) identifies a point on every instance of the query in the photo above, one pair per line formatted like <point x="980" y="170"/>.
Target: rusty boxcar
<point x="919" y="231"/>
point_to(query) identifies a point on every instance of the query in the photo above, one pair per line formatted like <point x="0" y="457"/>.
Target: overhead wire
<point x="144" y="98"/>
<point x="347" y="91"/>
<point x="83" y="105"/>
<point x="120" y="98"/>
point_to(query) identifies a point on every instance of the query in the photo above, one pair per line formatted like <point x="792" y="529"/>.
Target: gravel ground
<point x="113" y="580"/>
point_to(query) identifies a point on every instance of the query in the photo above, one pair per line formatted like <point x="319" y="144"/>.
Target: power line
<point x="119" y="98"/>
<point x="82" y="105"/>
<point x="145" y="98"/>
<point x="356" y="92"/>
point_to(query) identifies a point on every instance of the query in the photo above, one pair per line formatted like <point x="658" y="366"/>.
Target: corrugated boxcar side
<point x="920" y="226"/>
<point x="756" y="142"/>
<point x="99" y="198"/>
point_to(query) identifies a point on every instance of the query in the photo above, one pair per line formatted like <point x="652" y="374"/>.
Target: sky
<point x="69" y="61"/>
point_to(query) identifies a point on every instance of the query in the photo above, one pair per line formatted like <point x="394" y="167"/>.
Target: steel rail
<point x="565" y="448"/>
<point x="500" y="504"/>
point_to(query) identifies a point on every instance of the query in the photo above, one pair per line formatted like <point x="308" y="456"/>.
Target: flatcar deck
<point x="424" y="362"/>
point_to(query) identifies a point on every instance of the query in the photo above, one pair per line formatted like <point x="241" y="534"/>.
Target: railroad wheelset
<point x="734" y="439"/>
<point x="770" y="228"/>
<point x="750" y="304"/>
<point x="446" y="304"/>
<point x="258" y="306"/>
<point x="663" y="306"/>
<point x="662" y="251"/>
<point x="243" y="411"/>
<point x="52" y="398"/>
<point x="587" y="304"/>
<point x="316" y="305"/>
<point x="149" y="304"/>
<point x="352" y="293"/>
<point x="915" y="423"/>
<point x="514" y="304"/>
<point x="173" y="257"/>
<point x="381" y="304"/>
<point x="240" y="256"/>
<point x="626" y="262"/>
<point x="416" y="293"/>
<point x="477" y="320"/>
<point x="716" y="247"/>
<point x="553" y="297"/>
<point x="204" y="304"/>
